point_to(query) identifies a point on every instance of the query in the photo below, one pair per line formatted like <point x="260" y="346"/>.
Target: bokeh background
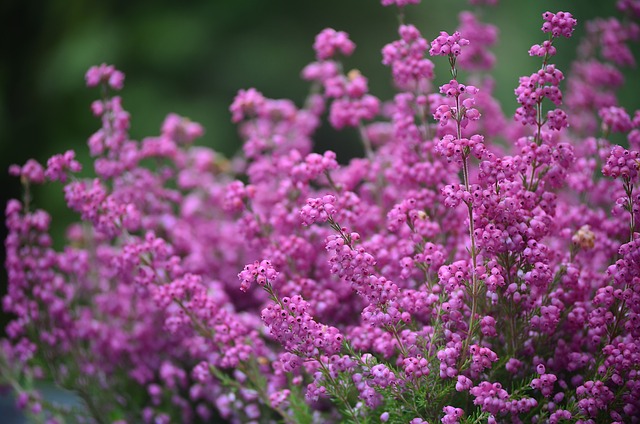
<point x="191" y="57"/>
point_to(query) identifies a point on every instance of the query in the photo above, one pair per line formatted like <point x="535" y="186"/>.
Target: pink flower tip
<point x="559" y="24"/>
<point x="105" y="74"/>
<point x="329" y="42"/>
<point x="180" y="129"/>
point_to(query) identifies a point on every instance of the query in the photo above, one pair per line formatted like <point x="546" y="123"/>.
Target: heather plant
<point x="471" y="267"/>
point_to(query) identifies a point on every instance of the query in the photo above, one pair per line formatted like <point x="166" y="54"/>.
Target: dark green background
<point x="191" y="57"/>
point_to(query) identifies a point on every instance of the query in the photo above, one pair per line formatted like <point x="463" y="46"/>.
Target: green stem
<point x="628" y="189"/>
<point x="368" y="150"/>
<point x="337" y="391"/>
<point x="474" y="276"/>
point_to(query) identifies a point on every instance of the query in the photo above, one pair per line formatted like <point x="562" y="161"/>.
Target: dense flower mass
<point x="469" y="268"/>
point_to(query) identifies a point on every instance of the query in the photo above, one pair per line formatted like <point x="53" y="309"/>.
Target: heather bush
<point x="471" y="267"/>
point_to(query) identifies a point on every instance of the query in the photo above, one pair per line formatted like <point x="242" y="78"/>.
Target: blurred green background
<point x="191" y="57"/>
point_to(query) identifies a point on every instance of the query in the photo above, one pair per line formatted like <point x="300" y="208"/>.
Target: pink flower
<point x="329" y="42"/>
<point x="105" y="74"/>
<point x="559" y="24"/>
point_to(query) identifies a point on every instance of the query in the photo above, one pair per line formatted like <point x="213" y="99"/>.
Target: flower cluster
<point x="468" y="268"/>
<point x="406" y="57"/>
<point x="445" y="44"/>
<point x="559" y="24"/>
<point x="330" y="41"/>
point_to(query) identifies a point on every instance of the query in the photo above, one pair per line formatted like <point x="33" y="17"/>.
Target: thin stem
<point x="628" y="189"/>
<point x="338" y="392"/>
<point x="452" y="63"/>
<point x="422" y="113"/>
<point x="546" y="58"/>
<point x="200" y="327"/>
<point x="539" y="123"/>
<point x="332" y="183"/>
<point x="401" y="16"/>
<point x="403" y="350"/>
<point x="474" y="277"/>
<point x="262" y="393"/>
<point x="366" y="142"/>
<point x="93" y="409"/>
<point x="534" y="167"/>
<point x="26" y="195"/>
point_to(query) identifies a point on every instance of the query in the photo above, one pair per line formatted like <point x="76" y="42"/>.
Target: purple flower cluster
<point x="445" y="44"/>
<point x="559" y="24"/>
<point x="330" y="41"/>
<point x="406" y="57"/>
<point x="105" y="74"/>
<point x="469" y="267"/>
<point x="351" y="102"/>
<point x="477" y="56"/>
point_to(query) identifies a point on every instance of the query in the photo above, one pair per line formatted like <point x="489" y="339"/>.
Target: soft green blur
<point x="191" y="57"/>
